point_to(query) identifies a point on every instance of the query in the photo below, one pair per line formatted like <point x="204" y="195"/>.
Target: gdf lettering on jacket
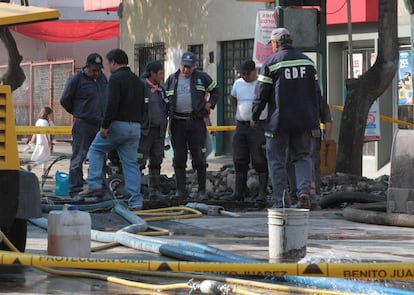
<point x="287" y="84"/>
<point x="292" y="69"/>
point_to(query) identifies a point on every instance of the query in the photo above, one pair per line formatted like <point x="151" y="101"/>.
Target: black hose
<point x="46" y="173"/>
<point x="376" y="214"/>
<point x="335" y="199"/>
<point x="46" y="208"/>
<point x="373" y="213"/>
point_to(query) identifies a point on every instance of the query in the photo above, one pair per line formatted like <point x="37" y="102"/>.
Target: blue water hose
<point x="188" y="255"/>
<point x="345" y="285"/>
<point x="203" y="249"/>
<point x="189" y="251"/>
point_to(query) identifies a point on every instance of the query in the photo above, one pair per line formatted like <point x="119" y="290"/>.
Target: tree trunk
<point x="362" y="92"/>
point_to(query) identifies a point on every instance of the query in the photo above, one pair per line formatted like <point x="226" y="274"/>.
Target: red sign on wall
<point x="101" y="5"/>
<point x="361" y="11"/>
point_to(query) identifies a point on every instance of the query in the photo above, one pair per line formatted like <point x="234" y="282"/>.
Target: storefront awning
<point x="70" y="31"/>
<point x="101" y="5"/>
<point x="13" y="14"/>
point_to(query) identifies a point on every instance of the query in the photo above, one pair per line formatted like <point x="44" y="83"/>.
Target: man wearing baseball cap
<point x="153" y="127"/>
<point x="83" y="98"/>
<point x="94" y="61"/>
<point x="248" y="142"/>
<point x="187" y="90"/>
<point x="280" y="35"/>
<point x="287" y="85"/>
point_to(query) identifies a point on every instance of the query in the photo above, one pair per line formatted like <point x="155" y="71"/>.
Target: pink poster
<point x="265" y="23"/>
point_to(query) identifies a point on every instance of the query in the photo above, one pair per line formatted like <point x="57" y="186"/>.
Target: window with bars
<point x="143" y="53"/>
<point x="198" y="52"/>
<point x="233" y="53"/>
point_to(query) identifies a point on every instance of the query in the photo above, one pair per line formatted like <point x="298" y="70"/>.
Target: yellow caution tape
<point x="221" y="128"/>
<point x="386" y="271"/>
<point x="25" y="130"/>
<point x="382" y="117"/>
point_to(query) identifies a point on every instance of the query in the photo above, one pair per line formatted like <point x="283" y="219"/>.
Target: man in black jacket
<point x="120" y="129"/>
<point x="187" y="89"/>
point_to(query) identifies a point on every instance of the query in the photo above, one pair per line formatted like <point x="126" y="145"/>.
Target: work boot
<point x="201" y="180"/>
<point x="240" y="189"/>
<point x="304" y="201"/>
<point x="180" y="178"/>
<point x="154" y="184"/>
<point x="314" y="203"/>
<point x="293" y="199"/>
<point x="261" y="199"/>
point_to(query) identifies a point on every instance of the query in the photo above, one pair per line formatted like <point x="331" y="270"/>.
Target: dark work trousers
<point x="249" y="144"/>
<point x="316" y="159"/>
<point x="188" y="134"/>
<point x="83" y="134"/>
<point x="316" y="169"/>
<point x="151" y="148"/>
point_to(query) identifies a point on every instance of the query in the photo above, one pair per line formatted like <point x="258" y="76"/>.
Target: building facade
<point x="221" y="33"/>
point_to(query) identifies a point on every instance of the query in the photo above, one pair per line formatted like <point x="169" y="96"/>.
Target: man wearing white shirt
<point x="248" y="143"/>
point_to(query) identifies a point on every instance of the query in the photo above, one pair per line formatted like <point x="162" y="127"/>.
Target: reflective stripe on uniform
<point x="212" y="85"/>
<point x="265" y="79"/>
<point x="200" y="88"/>
<point x="290" y="63"/>
<point x="169" y="92"/>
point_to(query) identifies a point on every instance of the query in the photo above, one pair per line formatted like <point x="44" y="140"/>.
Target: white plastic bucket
<point x="288" y="234"/>
<point x="69" y="232"/>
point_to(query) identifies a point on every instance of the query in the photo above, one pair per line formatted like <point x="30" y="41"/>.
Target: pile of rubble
<point x="220" y="185"/>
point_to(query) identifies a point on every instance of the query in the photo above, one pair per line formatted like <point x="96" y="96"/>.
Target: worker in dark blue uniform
<point x="153" y="127"/>
<point x="186" y="89"/>
<point x="287" y="83"/>
<point x="324" y="137"/>
<point x="84" y="98"/>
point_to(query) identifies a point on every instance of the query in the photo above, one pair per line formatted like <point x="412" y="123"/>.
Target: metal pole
<point x="279" y="13"/>
<point x="350" y="51"/>
<point x="323" y="50"/>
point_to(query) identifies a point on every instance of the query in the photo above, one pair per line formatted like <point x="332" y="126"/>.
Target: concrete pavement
<point x="331" y="239"/>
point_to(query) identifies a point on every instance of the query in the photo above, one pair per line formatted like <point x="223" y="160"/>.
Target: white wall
<point x="186" y="22"/>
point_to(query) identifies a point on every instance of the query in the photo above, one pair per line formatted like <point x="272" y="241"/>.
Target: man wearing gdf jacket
<point x="287" y="84"/>
<point x="186" y="90"/>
